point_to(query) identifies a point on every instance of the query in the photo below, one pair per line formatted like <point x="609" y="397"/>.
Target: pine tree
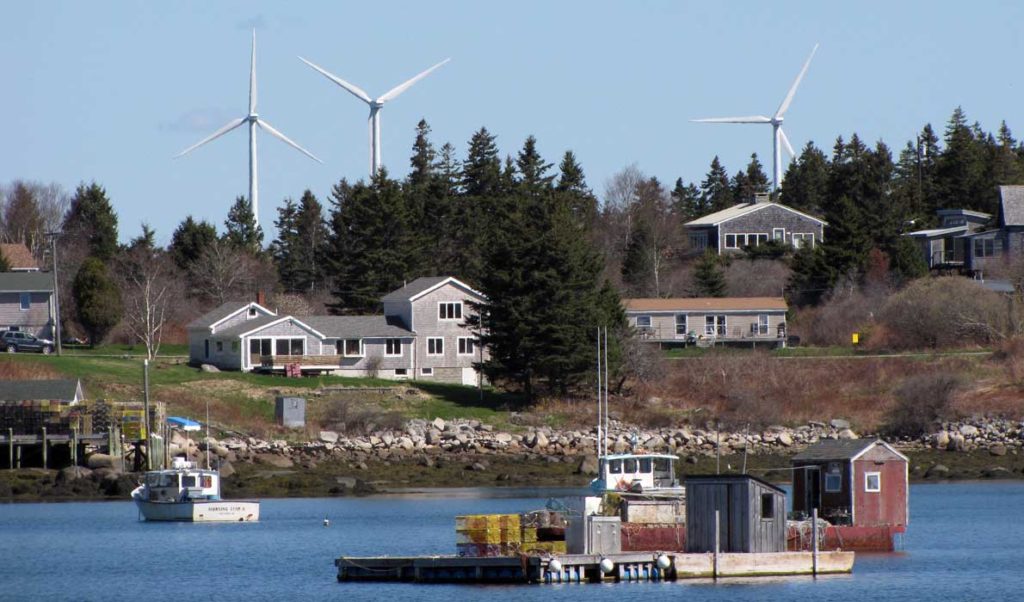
<point x="300" y="249"/>
<point x="716" y="193"/>
<point x="423" y="156"/>
<point x="481" y="172"/>
<point x="708" y="277"/>
<point x="241" y="230"/>
<point x="190" y="240"/>
<point x="91" y="220"/>
<point x="637" y="263"/>
<point x="805" y="186"/>
<point x="960" y="169"/>
<point x="906" y="261"/>
<point x="572" y="187"/>
<point x="811" y="277"/>
<point x="686" y="202"/>
<point x="748" y="183"/>
<point x="145" y="241"/>
<point x="533" y="178"/>
<point x="97" y="299"/>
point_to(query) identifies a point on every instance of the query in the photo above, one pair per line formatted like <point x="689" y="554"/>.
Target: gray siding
<point x="737" y="324"/>
<point x="401" y="310"/>
<point x="425" y="311"/>
<point x="741" y="526"/>
<point x="764" y="221"/>
<point x="239" y="318"/>
<point x="35" y="320"/>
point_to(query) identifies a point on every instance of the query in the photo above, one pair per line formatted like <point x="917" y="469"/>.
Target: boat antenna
<point x="718" y="448"/>
<point x="746" y="444"/>
<point x="600" y="438"/>
<point x="607" y="407"/>
<point x="207" y="433"/>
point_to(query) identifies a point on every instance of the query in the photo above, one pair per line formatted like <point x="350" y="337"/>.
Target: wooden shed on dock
<point x="858" y="482"/>
<point x="752" y="514"/>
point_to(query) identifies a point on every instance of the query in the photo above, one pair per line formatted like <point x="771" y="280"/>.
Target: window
<point x="188" y="480"/>
<point x="26" y="301"/>
<point x="662" y="465"/>
<point x="401" y="371"/>
<point x="778" y="234"/>
<point x="206" y="347"/>
<point x="297" y="346"/>
<point x="630" y="465"/>
<point x="761" y="326"/>
<point x="767" y="505"/>
<point x="615" y="466"/>
<point x="681" y="324"/>
<point x="730" y="241"/>
<point x="435" y="346"/>
<point x="645" y="465"/>
<point x="351" y="347"/>
<point x="698" y="241"/>
<point x="801" y="240"/>
<point x="220" y="346"/>
<point x="714" y="325"/>
<point x="643" y="321"/>
<point x="234" y="346"/>
<point x="252" y="312"/>
<point x="466" y="345"/>
<point x="833" y="482"/>
<point x="281" y="347"/>
<point x="427" y="371"/>
<point x="260" y="346"/>
<point x="393" y="347"/>
<point x="873" y="482"/>
<point x="449" y="311"/>
<point x="984" y="247"/>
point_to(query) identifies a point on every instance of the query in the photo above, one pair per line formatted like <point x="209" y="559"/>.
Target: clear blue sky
<point x="111" y="91"/>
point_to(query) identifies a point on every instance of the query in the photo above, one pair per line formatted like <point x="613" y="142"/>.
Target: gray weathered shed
<point x="290" y="412"/>
<point x="752" y="514"/>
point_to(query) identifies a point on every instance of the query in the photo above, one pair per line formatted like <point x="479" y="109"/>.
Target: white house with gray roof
<point x="421" y="335"/>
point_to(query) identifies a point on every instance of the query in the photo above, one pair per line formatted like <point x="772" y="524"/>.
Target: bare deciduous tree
<point x="150" y="285"/>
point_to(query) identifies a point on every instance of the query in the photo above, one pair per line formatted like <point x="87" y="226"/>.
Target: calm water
<point x="965" y="543"/>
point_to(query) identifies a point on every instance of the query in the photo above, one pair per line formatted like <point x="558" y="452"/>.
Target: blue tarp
<point x="186" y="424"/>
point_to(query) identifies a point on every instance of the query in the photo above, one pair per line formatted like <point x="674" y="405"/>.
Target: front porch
<point x="305" y="364"/>
<point x="711" y="336"/>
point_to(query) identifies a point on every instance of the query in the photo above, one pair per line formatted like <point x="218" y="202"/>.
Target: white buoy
<point x="606" y="565"/>
<point x="327" y="523"/>
<point x="554" y="566"/>
<point x="663" y="562"/>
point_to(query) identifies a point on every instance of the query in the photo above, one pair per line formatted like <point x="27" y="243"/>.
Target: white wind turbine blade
<point x="252" y="76"/>
<point x="394" y="92"/>
<point x="792" y="89"/>
<point x="354" y="90"/>
<point x="224" y="130"/>
<point x="747" y="119"/>
<point x="270" y="130"/>
<point x="785" y="142"/>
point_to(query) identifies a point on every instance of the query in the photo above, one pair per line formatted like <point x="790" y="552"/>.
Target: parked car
<point x="13" y="342"/>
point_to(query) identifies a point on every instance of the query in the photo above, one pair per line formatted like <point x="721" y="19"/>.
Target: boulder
<point x="95" y="461"/>
<point x="969" y="430"/>
<point x="275" y="460"/>
<point x="588" y="466"/>
<point x="406" y="443"/>
<point x="997" y="449"/>
<point x="839" y="423"/>
<point x="941" y="440"/>
<point x="438" y="423"/>
<point x="847" y="434"/>
<point x="785" y="439"/>
<point x="73" y="473"/>
<point x="226" y="469"/>
<point x="478" y="466"/>
<point x="329" y="436"/>
<point x="209" y="368"/>
<point x="433" y="437"/>
<point x="503" y="438"/>
<point x="957" y="442"/>
<point x="939" y="471"/>
<point x="996" y="472"/>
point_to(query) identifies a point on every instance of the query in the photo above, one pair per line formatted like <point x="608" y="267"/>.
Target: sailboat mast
<point x="600" y="438"/>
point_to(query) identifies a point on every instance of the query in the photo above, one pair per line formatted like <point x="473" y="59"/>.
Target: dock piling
<point x="44" y="449"/>
<point x="718" y="533"/>
<point x="814" y="542"/>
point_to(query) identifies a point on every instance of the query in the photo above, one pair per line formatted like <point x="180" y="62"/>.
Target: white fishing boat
<point x="185" y="492"/>
<point x="638" y="473"/>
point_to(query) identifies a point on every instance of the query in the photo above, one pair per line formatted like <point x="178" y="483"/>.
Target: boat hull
<point x="200" y="511"/>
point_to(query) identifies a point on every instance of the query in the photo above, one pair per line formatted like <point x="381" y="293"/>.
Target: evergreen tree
<point x="906" y="261"/>
<point x="97" y="300"/>
<point x="811" y="277"/>
<point x="91" y="220"/>
<point x="242" y="231"/>
<point x="748" y="183"/>
<point x="5" y="264"/>
<point x="572" y="187"/>
<point x="960" y="169"/>
<point x="708" y="277"/>
<point x="370" y="244"/>
<point x="848" y="242"/>
<point x="423" y="156"/>
<point x="481" y="172"/>
<point x="533" y="178"/>
<point x="145" y="241"/>
<point x="686" y="201"/>
<point x="805" y="186"/>
<point x="637" y="263"/>
<point x="300" y="249"/>
<point x="716" y="193"/>
<point x="190" y="240"/>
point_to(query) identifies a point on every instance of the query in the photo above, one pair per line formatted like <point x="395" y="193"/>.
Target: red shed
<point x="858" y="482"/>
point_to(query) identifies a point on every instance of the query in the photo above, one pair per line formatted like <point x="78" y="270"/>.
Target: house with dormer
<point x="421" y="335"/>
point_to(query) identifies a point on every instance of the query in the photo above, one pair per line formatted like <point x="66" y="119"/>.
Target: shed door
<point x="812" y="488"/>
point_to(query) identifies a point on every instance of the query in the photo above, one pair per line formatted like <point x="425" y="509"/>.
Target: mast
<point x="600" y="438"/>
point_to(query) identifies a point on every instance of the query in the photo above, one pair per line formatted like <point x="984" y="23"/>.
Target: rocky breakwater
<point x="996" y="438"/>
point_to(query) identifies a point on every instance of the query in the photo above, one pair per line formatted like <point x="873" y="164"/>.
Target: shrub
<point x="946" y="312"/>
<point x="921" y="402"/>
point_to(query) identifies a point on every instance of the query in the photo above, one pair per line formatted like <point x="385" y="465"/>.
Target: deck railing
<point x="269" y="361"/>
<point x="735" y="333"/>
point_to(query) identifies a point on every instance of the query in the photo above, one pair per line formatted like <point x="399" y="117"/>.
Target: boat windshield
<point x="615" y="466"/>
<point x="168" y="479"/>
<point x="188" y="480"/>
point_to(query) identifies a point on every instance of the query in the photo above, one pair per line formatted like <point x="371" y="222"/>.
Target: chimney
<point x="762" y="197"/>
<point x="261" y="298"/>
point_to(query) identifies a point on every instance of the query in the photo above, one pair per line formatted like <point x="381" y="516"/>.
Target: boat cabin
<point x="858" y="482"/>
<point x="636" y="473"/>
<point x="182" y="482"/>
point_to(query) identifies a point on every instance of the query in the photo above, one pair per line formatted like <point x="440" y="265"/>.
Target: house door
<point x="812" y="489"/>
<point x="206" y="348"/>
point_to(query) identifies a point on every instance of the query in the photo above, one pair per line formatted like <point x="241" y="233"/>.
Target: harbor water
<point x="965" y="542"/>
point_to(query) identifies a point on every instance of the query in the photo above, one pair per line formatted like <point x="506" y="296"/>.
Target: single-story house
<point x="63" y="390"/>
<point x="710" y="319"/>
<point x="751" y="224"/>
<point x="421" y="335"/>
<point x="26" y="303"/>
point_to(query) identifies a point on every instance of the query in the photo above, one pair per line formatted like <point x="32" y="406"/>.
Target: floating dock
<point x="590" y="568"/>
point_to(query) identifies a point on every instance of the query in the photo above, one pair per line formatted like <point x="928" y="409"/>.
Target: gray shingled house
<point x="26" y="303"/>
<point x="946" y="246"/>
<point x="752" y="224"/>
<point x="421" y="335"/>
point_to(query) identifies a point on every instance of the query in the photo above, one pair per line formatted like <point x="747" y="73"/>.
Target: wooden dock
<point x="590" y="568"/>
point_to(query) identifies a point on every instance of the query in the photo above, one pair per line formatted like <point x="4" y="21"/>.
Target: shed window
<point x="767" y="505"/>
<point x="873" y="482"/>
<point x="833" y="483"/>
<point x="615" y="466"/>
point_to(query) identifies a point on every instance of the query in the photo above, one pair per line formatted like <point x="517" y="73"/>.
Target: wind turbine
<point x="776" y="123"/>
<point x="253" y="119"/>
<point x="375" y="105"/>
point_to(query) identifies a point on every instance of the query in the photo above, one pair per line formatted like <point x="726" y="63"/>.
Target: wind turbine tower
<point x="254" y="120"/>
<point x="778" y="135"/>
<point x="375" y="105"/>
